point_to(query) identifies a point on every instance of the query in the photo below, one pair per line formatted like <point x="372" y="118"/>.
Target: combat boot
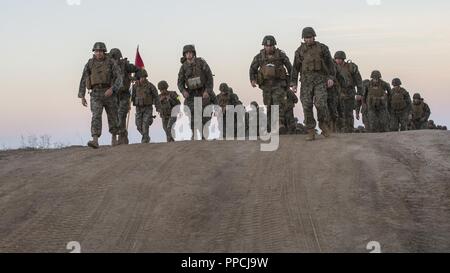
<point x="114" y="140"/>
<point x="93" y="143"/>
<point x="325" y="129"/>
<point x="145" y="139"/>
<point x="311" y="135"/>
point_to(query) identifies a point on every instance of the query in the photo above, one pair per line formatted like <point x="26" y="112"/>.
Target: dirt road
<point x="332" y="195"/>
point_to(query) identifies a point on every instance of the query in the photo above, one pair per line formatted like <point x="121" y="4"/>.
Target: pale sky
<point x="45" y="44"/>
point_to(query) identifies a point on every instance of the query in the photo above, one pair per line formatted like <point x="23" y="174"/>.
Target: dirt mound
<point x="331" y="195"/>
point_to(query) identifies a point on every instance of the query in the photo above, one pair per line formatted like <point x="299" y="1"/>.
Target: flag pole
<point x="129" y="100"/>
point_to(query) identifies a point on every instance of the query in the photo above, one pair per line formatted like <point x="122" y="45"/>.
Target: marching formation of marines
<point x="333" y="85"/>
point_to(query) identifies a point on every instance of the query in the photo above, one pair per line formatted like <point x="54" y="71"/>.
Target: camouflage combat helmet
<point x="142" y="73"/>
<point x="99" y="46"/>
<point x="189" y="48"/>
<point x="269" y="40"/>
<point x="340" y="55"/>
<point x="115" y="54"/>
<point x="417" y="96"/>
<point x="396" y="82"/>
<point x="308" y="32"/>
<point x="375" y="74"/>
<point x="444" y="128"/>
<point x="163" y="85"/>
<point x="223" y="87"/>
<point x="254" y="103"/>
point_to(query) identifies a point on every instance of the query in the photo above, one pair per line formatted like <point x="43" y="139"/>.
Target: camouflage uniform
<point x="361" y="107"/>
<point x="144" y="95"/>
<point x="271" y="72"/>
<point x="290" y="122"/>
<point x="420" y="113"/>
<point x="333" y="103"/>
<point x="196" y="78"/>
<point x="227" y="97"/>
<point x="168" y="100"/>
<point x="99" y="76"/>
<point x="376" y="94"/>
<point x="432" y="126"/>
<point x="124" y="93"/>
<point x="316" y="66"/>
<point x="399" y="106"/>
<point x="352" y="78"/>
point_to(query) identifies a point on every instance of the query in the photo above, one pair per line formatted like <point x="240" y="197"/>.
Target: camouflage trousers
<point x="314" y="93"/>
<point x="419" y="125"/>
<point x="144" y="118"/>
<point x="378" y="120"/>
<point x="365" y="117"/>
<point x="333" y="103"/>
<point x="290" y="120"/>
<point x="189" y="102"/>
<point x="124" y="108"/>
<point x="275" y="94"/>
<point x="346" y="117"/>
<point x="98" y="102"/>
<point x="167" y="122"/>
<point x="399" y="120"/>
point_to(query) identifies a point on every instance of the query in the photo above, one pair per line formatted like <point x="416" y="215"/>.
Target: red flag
<point x="138" y="60"/>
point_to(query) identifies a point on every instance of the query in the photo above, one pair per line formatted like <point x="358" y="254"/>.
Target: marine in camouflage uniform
<point x="376" y="96"/>
<point x="399" y="106"/>
<point x="432" y="126"/>
<point x="195" y="79"/>
<point x="225" y="98"/>
<point x="317" y="73"/>
<point x="333" y="103"/>
<point x="420" y="113"/>
<point x="168" y="100"/>
<point x="101" y="75"/>
<point x="144" y="95"/>
<point x="290" y="122"/>
<point x="361" y="107"/>
<point x="124" y="93"/>
<point x="270" y="70"/>
<point x="352" y="79"/>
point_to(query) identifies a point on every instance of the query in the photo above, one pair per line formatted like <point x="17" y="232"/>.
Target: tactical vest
<point x="346" y="71"/>
<point x="417" y="111"/>
<point x="271" y="66"/>
<point x="143" y="94"/>
<point x="398" y="102"/>
<point x="100" y="72"/>
<point x="311" y="57"/>
<point x="167" y="104"/>
<point x="193" y="73"/>
<point x="376" y="97"/>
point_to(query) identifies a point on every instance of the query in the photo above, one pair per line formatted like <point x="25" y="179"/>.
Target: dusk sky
<point x="46" y="43"/>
